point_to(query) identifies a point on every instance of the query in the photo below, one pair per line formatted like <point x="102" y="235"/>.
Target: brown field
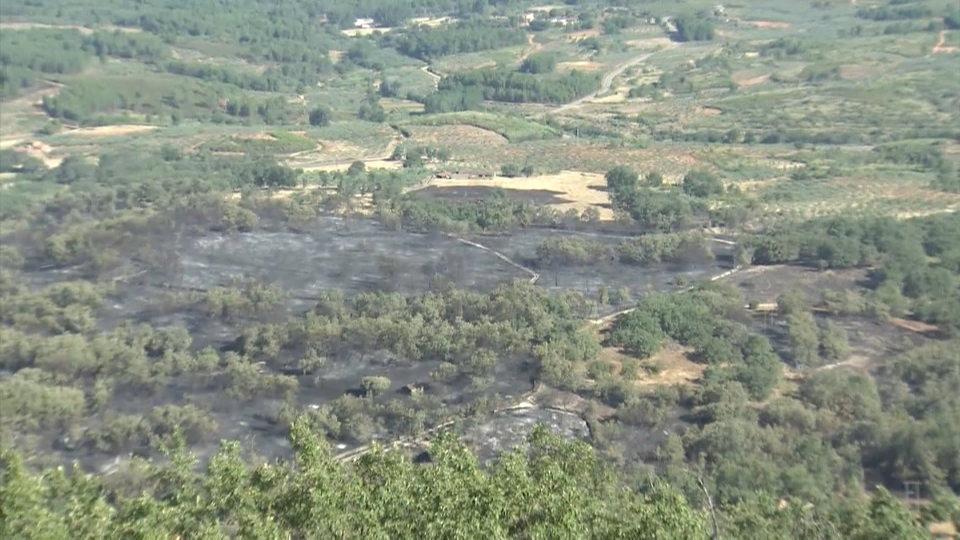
<point x="579" y="190"/>
<point x="672" y="363"/>
<point x="469" y="135"/>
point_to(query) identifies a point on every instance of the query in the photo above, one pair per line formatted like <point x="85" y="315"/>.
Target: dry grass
<point x="651" y="43"/>
<point x="709" y="111"/>
<point x="41" y="151"/>
<point x="376" y="164"/>
<point x="583" y="65"/>
<point x="943" y="529"/>
<point x="432" y="21"/>
<point x="469" y="135"/>
<point x="82" y="29"/>
<point x="581" y="190"/>
<point x="769" y="24"/>
<point x="393" y="104"/>
<point x="940" y="47"/>
<point x="111" y="131"/>
<point x="675" y="367"/>
<point x="584" y="34"/>
<point x="9" y="143"/>
<point x="913" y="326"/>
<point x="744" y="82"/>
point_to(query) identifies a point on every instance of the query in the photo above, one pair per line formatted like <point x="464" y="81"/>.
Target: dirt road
<point x="607" y="81"/>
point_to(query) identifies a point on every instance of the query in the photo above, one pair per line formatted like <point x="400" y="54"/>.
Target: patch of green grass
<point x="513" y="128"/>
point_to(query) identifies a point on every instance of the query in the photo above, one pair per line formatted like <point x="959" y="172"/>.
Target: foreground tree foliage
<point x="550" y="489"/>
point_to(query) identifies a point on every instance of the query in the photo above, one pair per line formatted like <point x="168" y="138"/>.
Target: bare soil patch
<point x="673" y="367"/>
<point x="744" y="82"/>
<point x="584" y="65"/>
<point x="943" y="529"/>
<point x="583" y="34"/>
<point x="41" y="151"/>
<point x="110" y="131"/>
<point x="940" y="47"/>
<point x="563" y="191"/>
<point x="709" y="111"/>
<point x="913" y="326"/>
<point x="769" y="24"/>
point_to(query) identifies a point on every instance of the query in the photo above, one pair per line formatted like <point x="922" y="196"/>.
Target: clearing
<point x="571" y="189"/>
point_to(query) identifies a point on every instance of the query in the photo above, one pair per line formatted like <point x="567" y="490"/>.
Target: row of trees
<point x="427" y="43"/>
<point x="642" y="250"/>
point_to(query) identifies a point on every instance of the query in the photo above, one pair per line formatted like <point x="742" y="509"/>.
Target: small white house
<point x="363" y="23"/>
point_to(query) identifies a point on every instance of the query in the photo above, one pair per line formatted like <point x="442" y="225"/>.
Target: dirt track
<point x="940" y="48"/>
<point x="607" y="81"/>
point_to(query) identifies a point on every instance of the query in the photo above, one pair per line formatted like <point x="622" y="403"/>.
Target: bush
<point x="375" y="385"/>
<point x="702" y="184"/>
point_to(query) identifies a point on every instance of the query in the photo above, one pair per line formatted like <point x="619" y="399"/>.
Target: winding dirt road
<point x="607" y="80"/>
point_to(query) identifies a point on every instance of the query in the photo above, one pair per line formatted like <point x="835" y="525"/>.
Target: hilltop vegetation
<point x="713" y="250"/>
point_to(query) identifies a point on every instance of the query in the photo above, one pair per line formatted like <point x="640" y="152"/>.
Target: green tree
<point x="319" y="116"/>
<point x="621" y="179"/>
<point x="803" y="336"/>
<point x="834" y="343"/>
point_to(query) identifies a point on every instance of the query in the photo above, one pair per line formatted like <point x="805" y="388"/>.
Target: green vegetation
<point x="428" y="43"/>
<point x="277" y="142"/>
<point x="514" y="128"/>
<point x="465" y="90"/>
